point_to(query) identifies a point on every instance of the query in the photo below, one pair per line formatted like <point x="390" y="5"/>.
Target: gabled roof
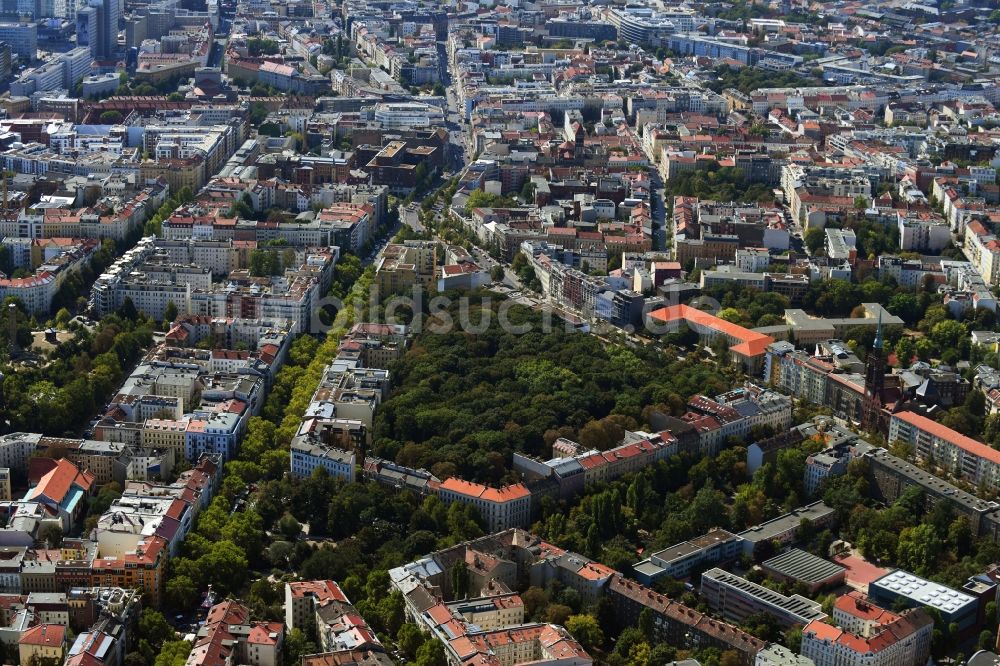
<point x="55" y="484"/>
<point x="44" y="635"/>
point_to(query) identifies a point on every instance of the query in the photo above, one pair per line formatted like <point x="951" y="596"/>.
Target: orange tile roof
<point x="595" y="571"/>
<point x="822" y="631"/>
<point x="478" y="490"/>
<point x="463" y="647"/>
<point x="967" y="444"/>
<point x="58" y="481"/>
<point x="440" y="614"/>
<point x="750" y="342"/>
<point x="266" y="633"/>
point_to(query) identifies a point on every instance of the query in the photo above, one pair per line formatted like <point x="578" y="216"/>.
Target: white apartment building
<point x="778" y="655"/>
<point x="966" y="458"/>
<point x="501" y="508"/>
<point x="922" y="233"/>
<point x="983" y="250"/>
<point x="16" y="449"/>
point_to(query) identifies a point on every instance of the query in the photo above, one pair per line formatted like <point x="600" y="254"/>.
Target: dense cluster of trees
<point x="258" y="47"/>
<point x="77" y="284"/>
<point x="749" y="307"/>
<point x="60" y="396"/>
<point x="931" y="541"/>
<point x="483" y="199"/>
<point x="717" y="183"/>
<point x="158" y="645"/>
<point x="243" y="209"/>
<point x="129" y="87"/>
<point x="258" y="112"/>
<point x="464" y="403"/>
<point x="273" y="258"/>
<point x="525" y="272"/>
<point x="873" y="238"/>
<point x="154" y="225"/>
<point x="338" y="48"/>
<point x="678" y="499"/>
<point x="345" y="274"/>
<point x="748" y="79"/>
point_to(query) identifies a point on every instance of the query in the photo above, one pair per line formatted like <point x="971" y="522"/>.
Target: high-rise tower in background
<point x="97" y="27"/>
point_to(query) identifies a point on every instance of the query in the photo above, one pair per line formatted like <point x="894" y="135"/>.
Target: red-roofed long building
<point x="745" y="346"/>
<point x="42" y="643"/>
<point x="973" y="461"/>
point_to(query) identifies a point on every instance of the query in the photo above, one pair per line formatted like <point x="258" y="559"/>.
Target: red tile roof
<point x="936" y="429"/>
<point x="321" y="590"/>
<point x="59" y="480"/>
<point x="44" y="635"/>
<point x="266" y="633"/>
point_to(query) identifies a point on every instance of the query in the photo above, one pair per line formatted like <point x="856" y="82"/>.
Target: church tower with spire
<point x="871" y="407"/>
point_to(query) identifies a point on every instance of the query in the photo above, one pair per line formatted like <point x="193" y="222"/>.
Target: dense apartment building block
<point x="229" y="636"/>
<point x="404" y="267"/>
<point x="143" y="569"/>
<point x="301" y="599"/>
<point x="864" y="634"/>
<point x="676" y="624"/>
<point x="889" y="477"/>
<point x="330" y="444"/>
<point x="966" y="458"/>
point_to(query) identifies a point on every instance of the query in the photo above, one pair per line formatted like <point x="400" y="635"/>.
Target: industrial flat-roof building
<point x="914" y="592"/>
<point x="737" y="598"/>
<point x="798" y="566"/>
